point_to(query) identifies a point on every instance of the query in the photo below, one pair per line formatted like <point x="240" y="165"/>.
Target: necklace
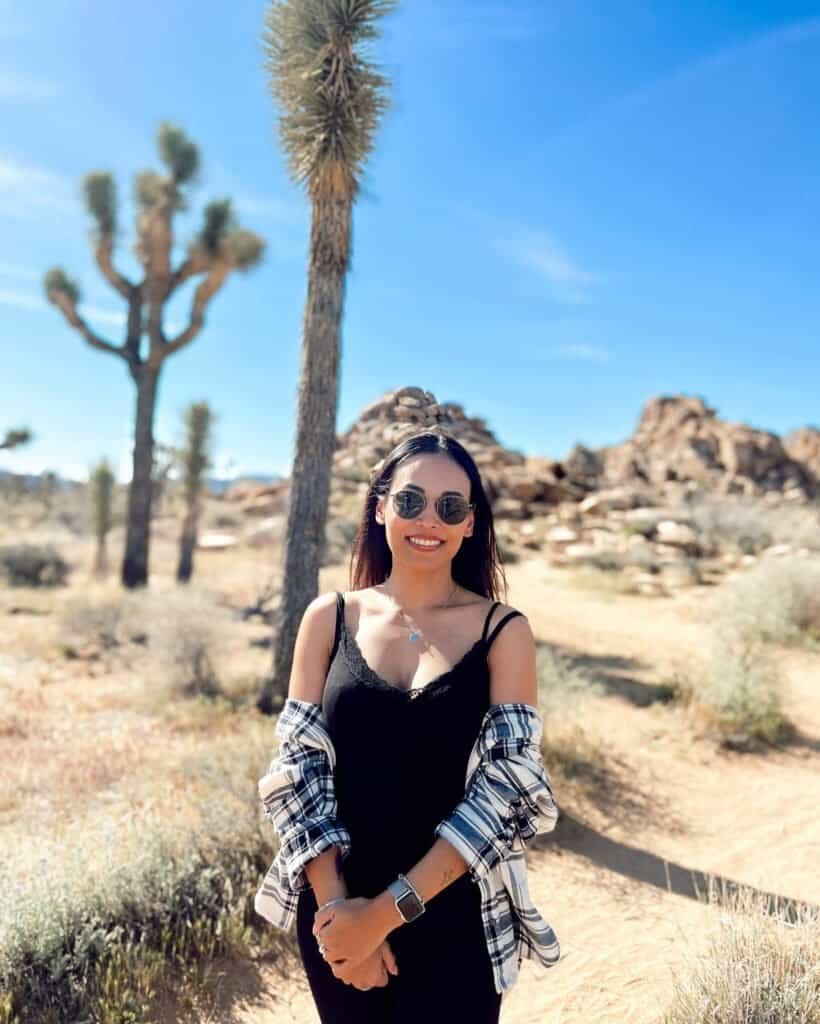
<point x="415" y="632"/>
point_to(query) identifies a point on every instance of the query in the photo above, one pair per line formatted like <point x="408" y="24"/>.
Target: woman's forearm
<point x="438" y="868"/>
<point x="325" y="875"/>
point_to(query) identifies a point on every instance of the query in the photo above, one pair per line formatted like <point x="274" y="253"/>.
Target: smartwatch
<point x="408" y="902"/>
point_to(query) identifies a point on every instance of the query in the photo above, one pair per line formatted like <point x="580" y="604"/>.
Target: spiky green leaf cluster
<point x="177" y="152"/>
<point x="57" y="282"/>
<point x="152" y="189"/>
<point x="245" y="248"/>
<point x="219" y="220"/>
<point x="199" y="421"/>
<point x="101" y="200"/>
<point x="15" y="437"/>
<point x="222" y="238"/>
<point x="331" y="97"/>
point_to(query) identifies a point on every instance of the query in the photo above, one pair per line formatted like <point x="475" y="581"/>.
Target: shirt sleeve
<point x="509" y="794"/>
<point x="299" y="798"/>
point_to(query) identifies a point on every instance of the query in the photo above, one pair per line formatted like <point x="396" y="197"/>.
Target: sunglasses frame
<point x="423" y="496"/>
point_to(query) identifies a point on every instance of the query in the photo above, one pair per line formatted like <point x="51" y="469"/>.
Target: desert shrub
<point x="32" y="565"/>
<point x="87" y="619"/>
<point x="134" y="900"/>
<point x="737" y="690"/>
<point x="777" y="600"/>
<point x="188" y="633"/>
<point x="761" y="965"/>
<point x="748" y="525"/>
<point x="563" y="690"/>
<point x="563" y="685"/>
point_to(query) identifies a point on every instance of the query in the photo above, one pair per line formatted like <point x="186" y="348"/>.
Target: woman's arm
<point x="438" y="868"/>
<point x="324" y="873"/>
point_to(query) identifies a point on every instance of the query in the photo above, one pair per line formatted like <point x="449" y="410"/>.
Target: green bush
<point x="777" y="600"/>
<point x="32" y="565"/>
<point x="738" y="691"/>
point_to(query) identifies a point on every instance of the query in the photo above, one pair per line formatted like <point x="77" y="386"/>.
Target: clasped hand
<point x="355" y="946"/>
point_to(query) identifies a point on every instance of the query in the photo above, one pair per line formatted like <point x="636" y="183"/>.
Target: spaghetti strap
<point x="507" y="617"/>
<point x="493" y="607"/>
<point x="340" y="611"/>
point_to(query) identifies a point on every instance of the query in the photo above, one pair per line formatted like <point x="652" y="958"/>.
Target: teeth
<point x="424" y="543"/>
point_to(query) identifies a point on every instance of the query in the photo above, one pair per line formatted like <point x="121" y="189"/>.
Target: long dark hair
<point x="476" y="566"/>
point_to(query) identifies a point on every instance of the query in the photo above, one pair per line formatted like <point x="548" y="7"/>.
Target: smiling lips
<point x="425" y="543"/>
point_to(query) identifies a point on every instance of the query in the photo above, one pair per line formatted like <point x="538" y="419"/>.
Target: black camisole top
<point x="401" y="755"/>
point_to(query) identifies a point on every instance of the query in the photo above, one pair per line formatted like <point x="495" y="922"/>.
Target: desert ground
<point x="660" y="807"/>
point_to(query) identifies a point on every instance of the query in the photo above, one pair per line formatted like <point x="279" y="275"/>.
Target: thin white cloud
<point x="573" y="350"/>
<point x="464" y="23"/>
<point x="20" y="273"/>
<point x="544" y="255"/>
<point x="109" y="317"/>
<point x="27" y="190"/>
<point x="687" y="74"/>
<point x="282" y="211"/>
<point x="20" y="299"/>
<point x="15" y="85"/>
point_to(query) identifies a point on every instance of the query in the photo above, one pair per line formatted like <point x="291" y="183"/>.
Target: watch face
<point x="410" y="906"/>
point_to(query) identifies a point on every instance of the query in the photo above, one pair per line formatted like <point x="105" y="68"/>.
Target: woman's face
<point x="434" y="475"/>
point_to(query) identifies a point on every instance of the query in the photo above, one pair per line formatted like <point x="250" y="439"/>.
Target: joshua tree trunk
<point x="101" y="558"/>
<point x="315" y="437"/>
<point x="186" y="549"/>
<point x="331" y="99"/>
<point x="138" y="526"/>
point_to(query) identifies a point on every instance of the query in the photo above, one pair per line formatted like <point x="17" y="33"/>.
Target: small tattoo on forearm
<point x="448" y="876"/>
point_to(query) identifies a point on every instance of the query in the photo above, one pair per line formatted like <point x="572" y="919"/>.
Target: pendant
<point x="415" y="636"/>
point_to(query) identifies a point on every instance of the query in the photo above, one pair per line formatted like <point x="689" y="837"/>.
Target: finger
<point x="389" y="959"/>
<point x="319" y="922"/>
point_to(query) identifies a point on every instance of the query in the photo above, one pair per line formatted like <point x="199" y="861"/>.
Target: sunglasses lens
<point x="453" y="510"/>
<point x="408" y="504"/>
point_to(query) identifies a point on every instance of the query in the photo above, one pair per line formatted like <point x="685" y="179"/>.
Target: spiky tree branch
<point x="101" y="201"/>
<point x="63" y="292"/>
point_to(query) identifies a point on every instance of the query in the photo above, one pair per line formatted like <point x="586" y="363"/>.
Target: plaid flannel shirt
<point x="507" y="801"/>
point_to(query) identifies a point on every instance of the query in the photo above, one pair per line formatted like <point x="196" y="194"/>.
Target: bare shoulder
<point x="311" y="652"/>
<point x="512" y="660"/>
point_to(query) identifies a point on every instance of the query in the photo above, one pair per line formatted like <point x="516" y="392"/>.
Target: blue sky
<point x="571" y="207"/>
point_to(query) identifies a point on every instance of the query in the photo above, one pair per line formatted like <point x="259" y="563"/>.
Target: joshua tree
<point x="195" y="460"/>
<point x="219" y="248"/>
<point x="331" y="102"/>
<point x="13" y="438"/>
<point x="101" y="483"/>
<point x="48" y="488"/>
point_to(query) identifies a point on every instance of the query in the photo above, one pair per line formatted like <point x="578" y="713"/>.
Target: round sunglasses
<point x="451" y="508"/>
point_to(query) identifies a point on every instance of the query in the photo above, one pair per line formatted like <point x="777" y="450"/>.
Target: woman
<point x="409" y="772"/>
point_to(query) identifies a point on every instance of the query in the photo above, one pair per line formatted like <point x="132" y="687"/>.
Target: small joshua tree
<point x="219" y="248"/>
<point x="101" y="483"/>
<point x="195" y="460"/>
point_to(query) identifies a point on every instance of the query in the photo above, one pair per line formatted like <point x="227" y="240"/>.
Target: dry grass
<point x="777" y="600"/>
<point x="571" y="755"/>
<point x="762" y="965"/>
<point x="736" y="693"/>
<point x="146" y="883"/>
<point x="746" y="526"/>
